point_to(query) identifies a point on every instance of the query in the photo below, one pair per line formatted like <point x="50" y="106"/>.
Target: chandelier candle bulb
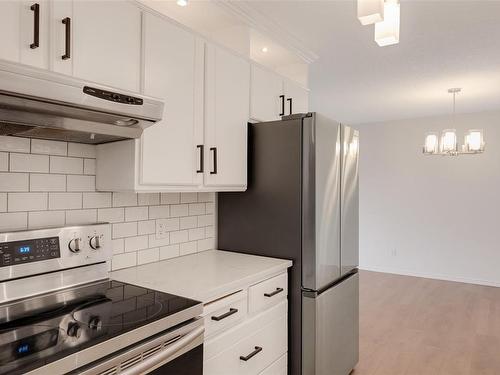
<point x="449" y="141"/>
<point x="431" y="145"/>
<point x="370" y="11"/>
<point x="474" y="141"/>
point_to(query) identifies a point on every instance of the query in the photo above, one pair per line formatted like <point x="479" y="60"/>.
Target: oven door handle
<point x="164" y="355"/>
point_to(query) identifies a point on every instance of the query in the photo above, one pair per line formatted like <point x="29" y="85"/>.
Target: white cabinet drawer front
<point x="225" y="313"/>
<point x="267" y="293"/>
<point x="279" y="367"/>
<point x="254" y="353"/>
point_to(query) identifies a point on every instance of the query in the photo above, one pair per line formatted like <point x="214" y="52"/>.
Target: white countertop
<point x="203" y="276"/>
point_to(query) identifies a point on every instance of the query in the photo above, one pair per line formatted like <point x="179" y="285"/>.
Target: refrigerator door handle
<point x="272" y="294"/>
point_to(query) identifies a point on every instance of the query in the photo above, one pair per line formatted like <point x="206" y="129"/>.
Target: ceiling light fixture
<point x="387" y="31"/>
<point x="448" y="146"/>
<point x="370" y="11"/>
<point x="264" y="49"/>
<point x="182" y="3"/>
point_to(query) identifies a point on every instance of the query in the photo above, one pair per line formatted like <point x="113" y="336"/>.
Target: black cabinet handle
<point x="277" y="291"/>
<point x="202" y="159"/>
<point x="36" y="26"/>
<point x="67" y="22"/>
<point x="282" y="97"/>
<point x="224" y="316"/>
<point x="257" y="350"/>
<point x="289" y="100"/>
<point x="214" y="150"/>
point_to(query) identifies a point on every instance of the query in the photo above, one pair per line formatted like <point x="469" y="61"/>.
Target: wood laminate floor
<point x="417" y="326"/>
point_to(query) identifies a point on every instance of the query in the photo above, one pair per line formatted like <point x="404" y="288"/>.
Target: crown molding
<point x="259" y="21"/>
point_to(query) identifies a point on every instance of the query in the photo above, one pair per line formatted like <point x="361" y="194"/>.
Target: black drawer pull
<point x="36" y="26"/>
<point x="290" y="100"/>
<point x="257" y="350"/>
<point x="67" y="54"/>
<point x="200" y="147"/>
<point x="277" y="291"/>
<point x="282" y="97"/>
<point x="214" y="150"/>
<point x="224" y="316"/>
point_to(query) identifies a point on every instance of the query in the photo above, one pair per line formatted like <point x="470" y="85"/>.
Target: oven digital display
<point x="28" y="345"/>
<point x="27" y="251"/>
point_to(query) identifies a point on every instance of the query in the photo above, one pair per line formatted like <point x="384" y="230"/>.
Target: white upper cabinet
<point x="10" y="29"/>
<point x="61" y="33"/>
<point x="297" y="98"/>
<point x="227" y="97"/>
<point x="107" y="42"/>
<point x="267" y="100"/>
<point x="173" y="71"/>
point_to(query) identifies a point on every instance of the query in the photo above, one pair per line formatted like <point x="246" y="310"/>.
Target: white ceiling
<point x="442" y="44"/>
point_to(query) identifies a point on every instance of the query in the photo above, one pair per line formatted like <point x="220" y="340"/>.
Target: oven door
<point x="178" y="352"/>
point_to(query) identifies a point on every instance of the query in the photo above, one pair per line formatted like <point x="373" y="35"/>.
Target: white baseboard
<point x="400" y="271"/>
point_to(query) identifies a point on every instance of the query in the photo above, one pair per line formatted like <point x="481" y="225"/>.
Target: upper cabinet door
<point x="173" y="67"/>
<point x="61" y="33"/>
<point x="299" y="96"/>
<point x="10" y="28"/>
<point x="267" y="102"/>
<point x="227" y="113"/>
<point x="107" y="42"/>
<point x="34" y="33"/>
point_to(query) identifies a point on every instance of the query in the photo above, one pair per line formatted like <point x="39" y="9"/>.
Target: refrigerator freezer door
<point x="349" y="227"/>
<point x="330" y="329"/>
<point x="320" y="202"/>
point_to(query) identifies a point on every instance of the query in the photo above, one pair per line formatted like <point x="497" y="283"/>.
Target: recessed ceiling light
<point x="264" y="49"/>
<point x="182" y="3"/>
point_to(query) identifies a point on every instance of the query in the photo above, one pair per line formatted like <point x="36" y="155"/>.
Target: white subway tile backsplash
<point x="3" y="202"/>
<point x="177" y="210"/>
<point x="188" y="248"/>
<point x="170" y="198"/>
<point x="13" y="221"/>
<point x="89" y="166"/>
<point x="62" y="164"/>
<point x="124" y="199"/>
<point x="29" y="163"/>
<point x="42" y="146"/>
<point x="136" y="213"/>
<point x="96" y="200"/>
<point x="123" y="261"/>
<point x="146" y="227"/>
<point x="148" y="256"/>
<point x="65" y="201"/>
<point x="26" y="202"/>
<point x="14" y="182"/>
<point x="124" y="230"/>
<point x="189" y="197"/>
<point x="158" y="212"/>
<point x="74" y="217"/>
<point x="4" y="161"/>
<point x="81" y="183"/>
<point x="47" y="182"/>
<point x="110" y="215"/>
<point x="170" y="251"/>
<point x="52" y="183"/>
<point x="81" y="150"/>
<point x="14" y="144"/>
<point x="41" y="219"/>
<point x="148" y="199"/>
<point x="136" y="243"/>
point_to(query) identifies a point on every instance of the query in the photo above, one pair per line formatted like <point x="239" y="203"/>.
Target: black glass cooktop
<point x="42" y="329"/>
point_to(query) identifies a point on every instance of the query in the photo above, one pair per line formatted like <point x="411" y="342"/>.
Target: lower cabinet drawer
<point x="249" y="348"/>
<point x="267" y="293"/>
<point x="224" y="313"/>
<point x="279" y="367"/>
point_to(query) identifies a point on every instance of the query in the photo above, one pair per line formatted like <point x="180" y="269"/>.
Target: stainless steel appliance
<point x="60" y="313"/>
<point x="302" y="204"/>
<point x="40" y="104"/>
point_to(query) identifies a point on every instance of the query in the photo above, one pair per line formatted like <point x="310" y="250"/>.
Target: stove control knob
<point x="95" y="242"/>
<point x="74" y="330"/>
<point x="74" y="245"/>
<point x="95" y="323"/>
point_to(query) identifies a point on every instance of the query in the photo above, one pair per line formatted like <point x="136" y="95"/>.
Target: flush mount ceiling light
<point x="387" y="31"/>
<point x="370" y="11"/>
<point x="182" y="3"/>
<point x="448" y="146"/>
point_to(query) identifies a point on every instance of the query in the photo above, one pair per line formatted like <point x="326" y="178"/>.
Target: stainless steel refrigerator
<point x="302" y="204"/>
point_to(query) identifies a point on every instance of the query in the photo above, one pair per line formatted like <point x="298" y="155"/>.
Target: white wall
<point x="430" y="216"/>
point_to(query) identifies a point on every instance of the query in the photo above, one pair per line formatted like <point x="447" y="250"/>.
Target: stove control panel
<point x="31" y="250"/>
<point x="26" y="253"/>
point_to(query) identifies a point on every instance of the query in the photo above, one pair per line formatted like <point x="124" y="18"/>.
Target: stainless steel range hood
<point x="40" y="104"/>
